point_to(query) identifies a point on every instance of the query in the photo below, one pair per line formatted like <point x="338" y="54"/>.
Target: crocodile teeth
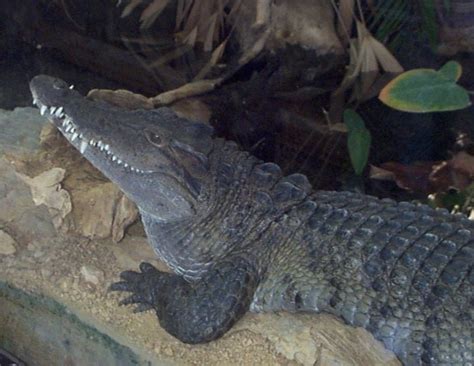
<point x="119" y="161"/>
<point x="43" y="110"/>
<point x="74" y="136"/>
<point x="52" y="110"/>
<point x="114" y="158"/>
<point x="59" y="112"/>
<point x="92" y="142"/>
<point x="71" y="86"/>
<point x="69" y="128"/>
<point x="83" y="147"/>
<point x="125" y="165"/>
<point x="35" y="101"/>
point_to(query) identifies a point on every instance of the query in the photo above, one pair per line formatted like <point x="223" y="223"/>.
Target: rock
<point x="33" y="224"/>
<point x="15" y="197"/>
<point x="126" y="213"/>
<point x="305" y="23"/>
<point x="46" y="190"/>
<point x="92" y="274"/>
<point x="318" y="339"/>
<point x="134" y="250"/>
<point x="20" y="130"/>
<point x="102" y="210"/>
<point x="7" y="244"/>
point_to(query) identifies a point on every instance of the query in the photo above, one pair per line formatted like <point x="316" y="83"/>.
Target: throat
<point x="178" y="245"/>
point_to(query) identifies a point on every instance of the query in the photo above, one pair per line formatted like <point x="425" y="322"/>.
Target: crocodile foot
<point x="140" y="284"/>
<point x="193" y="312"/>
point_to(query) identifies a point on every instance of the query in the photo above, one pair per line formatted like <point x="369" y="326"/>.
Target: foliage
<point x="427" y="90"/>
<point x="358" y="140"/>
<point x="388" y="17"/>
<point x="197" y="21"/>
<point x="368" y="59"/>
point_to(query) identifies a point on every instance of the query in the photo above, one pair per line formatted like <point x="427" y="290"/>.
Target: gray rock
<point x="20" y="129"/>
<point x="15" y="196"/>
<point x="34" y="223"/>
<point x="7" y="244"/>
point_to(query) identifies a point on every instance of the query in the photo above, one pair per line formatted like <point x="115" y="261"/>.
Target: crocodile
<point x="238" y="235"/>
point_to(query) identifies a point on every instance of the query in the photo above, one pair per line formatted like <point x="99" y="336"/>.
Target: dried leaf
<point x="192" y="20"/>
<point x="369" y="68"/>
<point x="367" y="56"/>
<point x="262" y="12"/>
<point x="386" y="60"/>
<point x="215" y="57"/>
<point x="381" y="174"/>
<point x="431" y="176"/>
<point x="191" y="37"/>
<point x="234" y="10"/>
<point x="413" y="178"/>
<point x="463" y="162"/>
<point x="129" y="8"/>
<point x="345" y="13"/>
<point x="181" y="11"/>
<point x="258" y="46"/>
<point x="188" y="90"/>
<point x="209" y="39"/>
<point x="170" y="56"/>
<point x="152" y="12"/>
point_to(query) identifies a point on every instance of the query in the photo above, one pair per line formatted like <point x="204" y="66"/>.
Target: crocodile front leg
<point x="193" y="312"/>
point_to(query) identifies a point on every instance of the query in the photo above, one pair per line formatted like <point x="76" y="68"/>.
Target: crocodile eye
<point x="154" y="138"/>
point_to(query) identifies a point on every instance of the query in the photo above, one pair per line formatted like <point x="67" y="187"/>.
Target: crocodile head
<point x="158" y="159"/>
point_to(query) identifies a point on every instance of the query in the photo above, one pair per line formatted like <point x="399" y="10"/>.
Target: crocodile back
<point x="402" y="271"/>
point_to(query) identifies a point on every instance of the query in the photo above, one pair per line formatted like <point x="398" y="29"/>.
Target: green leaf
<point x="426" y="90"/>
<point x="352" y="120"/>
<point x="358" y="140"/>
<point x="451" y="70"/>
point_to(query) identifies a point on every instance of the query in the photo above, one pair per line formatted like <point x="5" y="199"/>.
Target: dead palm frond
<point x="369" y="60"/>
<point x="197" y="21"/>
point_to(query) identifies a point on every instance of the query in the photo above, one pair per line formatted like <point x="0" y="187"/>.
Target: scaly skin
<point x="241" y="236"/>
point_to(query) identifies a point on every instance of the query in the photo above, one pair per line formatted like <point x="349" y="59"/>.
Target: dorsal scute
<point x="265" y="175"/>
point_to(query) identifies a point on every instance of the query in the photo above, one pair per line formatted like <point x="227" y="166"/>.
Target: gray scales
<point x="240" y="236"/>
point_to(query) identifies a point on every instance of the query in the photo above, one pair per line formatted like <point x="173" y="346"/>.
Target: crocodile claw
<point x="133" y="299"/>
<point x="139" y="284"/>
